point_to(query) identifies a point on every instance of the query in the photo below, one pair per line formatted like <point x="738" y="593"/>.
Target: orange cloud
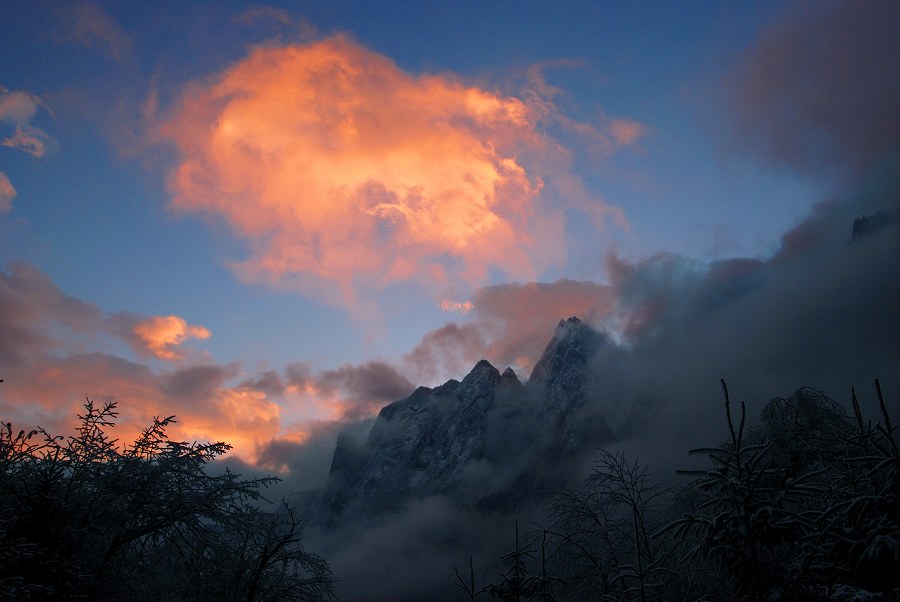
<point x="345" y="173"/>
<point x="161" y="334"/>
<point x="46" y="378"/>
<point x="50" y="392"/>
<point x="7" y="193"/>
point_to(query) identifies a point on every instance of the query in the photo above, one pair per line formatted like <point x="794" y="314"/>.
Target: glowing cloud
<point x="7" y="193"/>
<point x="462" y="307"/>
<point x="345" y="173"/>
<point x="46" y="379"/>
<point x="161" y="334"/>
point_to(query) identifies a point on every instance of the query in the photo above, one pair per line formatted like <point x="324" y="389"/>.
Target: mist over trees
<point x="83" y="518"/>
<point x="804" y="505"/>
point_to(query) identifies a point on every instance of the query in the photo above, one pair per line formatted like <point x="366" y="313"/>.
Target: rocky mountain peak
<point x="572" y="345"/>
<point x="559" y="379"/>
<point x="509" y="377"/>
<point x="483" y="371"/>
<point x="428" y="443"/>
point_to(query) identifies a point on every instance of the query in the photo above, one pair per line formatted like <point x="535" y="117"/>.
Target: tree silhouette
<point x="85" y="519"/>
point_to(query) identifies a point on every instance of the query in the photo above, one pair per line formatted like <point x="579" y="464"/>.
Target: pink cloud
<point x="626" y="131"/>
<point x="47" y="375"/>
<point x="344" y="174"/>
<point x="56" y="350"/>
<point x="509" y="325"/>
<point x="7" y="193"/>
<point x="18" y="108"/>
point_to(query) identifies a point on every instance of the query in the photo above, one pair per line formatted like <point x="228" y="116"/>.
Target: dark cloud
<point x="372" y="381"/>
<point x="819" y="91"/>
<point x="448" y="350"/>
<point x="307" y="462"/>
<point x="269" y="382"/>
<point x="820" y="312"/>
<point x="30" y="306"/>
<point x="298" y="374"/>
<point x="196" y="381"/>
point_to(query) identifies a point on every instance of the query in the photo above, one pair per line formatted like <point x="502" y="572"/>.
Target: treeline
<point x="805" y="505"/>
<point x="82" y="519"/>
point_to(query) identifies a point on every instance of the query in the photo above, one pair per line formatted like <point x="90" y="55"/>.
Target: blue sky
<point x="628" y="113"/>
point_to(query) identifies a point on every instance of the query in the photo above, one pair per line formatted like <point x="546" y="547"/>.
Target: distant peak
<point x="484" y="367"/>
<point x="573" y="326"/>
<point x="572" y="344"/>
<point x="483" y="371"/>
<point x="573" y="321"/>
<point x="509" y="377"/>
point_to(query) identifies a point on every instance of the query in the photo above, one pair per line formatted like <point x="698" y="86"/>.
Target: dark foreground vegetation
<point x="803" y="506"/>
<point x="82" y="519"/>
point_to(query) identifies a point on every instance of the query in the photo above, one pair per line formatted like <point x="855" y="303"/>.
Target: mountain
<point x="487" y="440"/>
<point x="559" y="381"/>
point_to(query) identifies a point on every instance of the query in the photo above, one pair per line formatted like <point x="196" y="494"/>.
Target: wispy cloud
<point x="253" y="14"/>
<point x="17" y="109"/>
<point x="89" y="25"/>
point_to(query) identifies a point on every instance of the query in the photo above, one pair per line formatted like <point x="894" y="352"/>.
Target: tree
<point x="601" y="532"/>
<point x="517" y="585"/>
<point x="85" y="519"/>
<point x="807" y="507"/>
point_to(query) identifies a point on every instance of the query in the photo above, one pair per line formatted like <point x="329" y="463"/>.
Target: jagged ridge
<point x="430" y="442"/>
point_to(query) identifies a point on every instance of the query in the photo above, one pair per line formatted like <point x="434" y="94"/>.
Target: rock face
<point x="473" y="437"/>
<point x="418" y="446"/>
<point x="558" y="381"/>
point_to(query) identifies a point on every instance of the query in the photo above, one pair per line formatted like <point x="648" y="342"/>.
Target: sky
<point x="273" y="219"/>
